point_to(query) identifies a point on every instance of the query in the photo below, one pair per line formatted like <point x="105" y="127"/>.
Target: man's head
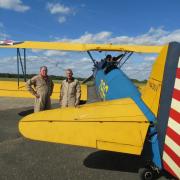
<point x="108" y="57"/>
<point x="69" y="74"/>
<point x="43" y="71"/>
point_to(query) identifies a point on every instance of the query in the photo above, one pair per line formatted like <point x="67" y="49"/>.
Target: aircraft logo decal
<point x="103" y="89"/>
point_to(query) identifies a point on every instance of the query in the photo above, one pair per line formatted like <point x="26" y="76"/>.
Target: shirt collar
<point x="71" y="80"/>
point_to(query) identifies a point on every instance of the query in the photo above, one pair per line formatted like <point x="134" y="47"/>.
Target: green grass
<point x="10" y="79"/>
<point x="54" y="80"/>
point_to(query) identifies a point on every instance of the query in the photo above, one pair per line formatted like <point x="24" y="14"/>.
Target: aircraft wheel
<point x="146" y="174"/>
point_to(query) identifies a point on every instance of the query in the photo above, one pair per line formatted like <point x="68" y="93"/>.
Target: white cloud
<point x="56" y="66"/>
<point x="15" y="5"/>
<point x="140" y="71"/>
<point x="80" y="63"/>
<point x="154" y="36"/>
<point x="55" y="53"/>
<point x="101" y="37"/>
<point x="58" y="8"/>
<point x="61" y="10"/>
<point x="149" y="58"/>
<point x="171" y="36"/>
<point x="49" y="53"/>
<point x="37" y="50"/>
<point x="62" y="19"/>
<point x="58" y="61"/>
<point x="3" y="35"/>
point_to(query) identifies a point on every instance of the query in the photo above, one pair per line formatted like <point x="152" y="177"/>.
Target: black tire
<point x="146" y="174"/>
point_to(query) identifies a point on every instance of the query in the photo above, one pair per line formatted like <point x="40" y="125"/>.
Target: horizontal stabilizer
<point x="117" y="125"/>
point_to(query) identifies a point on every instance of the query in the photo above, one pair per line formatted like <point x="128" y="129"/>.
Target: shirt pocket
<point x="73" y="89"/>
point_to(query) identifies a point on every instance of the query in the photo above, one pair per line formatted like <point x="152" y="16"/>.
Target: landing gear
<point x="149" y="173"/>
<point x="146" y="174"/>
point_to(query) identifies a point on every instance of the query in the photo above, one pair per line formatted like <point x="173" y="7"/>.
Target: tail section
<point x="162" y="96"/>
<point x="152" y="91"/>
<point x="169" y="112"/>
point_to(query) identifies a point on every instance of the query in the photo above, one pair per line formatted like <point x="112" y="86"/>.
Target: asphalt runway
<point x="23" y="159"/>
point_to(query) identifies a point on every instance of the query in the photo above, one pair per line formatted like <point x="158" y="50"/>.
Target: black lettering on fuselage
<point x="154" y="86"/>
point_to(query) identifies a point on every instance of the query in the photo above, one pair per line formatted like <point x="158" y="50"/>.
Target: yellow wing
<point x="67" y="46"/>
<point x="117" y="125"/>
<point x="10" y="89"/>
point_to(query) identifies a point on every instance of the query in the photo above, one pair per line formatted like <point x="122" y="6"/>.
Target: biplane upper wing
<point x="117" y="125"/>
<point x="67" y="46"/>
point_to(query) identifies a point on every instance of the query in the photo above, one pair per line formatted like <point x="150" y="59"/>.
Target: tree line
<point x="28" y="76"/>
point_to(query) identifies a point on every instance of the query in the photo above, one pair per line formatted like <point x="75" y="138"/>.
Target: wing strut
<point x="129" y="55"/>
<point x="23" y="65"/>
<point x="93" y="60"/>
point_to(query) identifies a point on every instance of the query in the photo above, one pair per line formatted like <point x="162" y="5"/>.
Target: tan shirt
<point x="42" y="87"/>
<point x="70" y="93"/>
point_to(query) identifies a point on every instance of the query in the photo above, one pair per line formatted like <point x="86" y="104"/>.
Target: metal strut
<point x="23" y="65"/>
<point x="18" y="67"/>
<point x="130" y="54"/>
<point x="93" y="60"/>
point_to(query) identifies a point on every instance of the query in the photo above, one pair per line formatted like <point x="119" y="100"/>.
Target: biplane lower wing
<point x="117" y="125"/>
<point x="10" y="89"/>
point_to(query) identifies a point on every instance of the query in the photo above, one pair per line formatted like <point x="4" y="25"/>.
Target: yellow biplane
<point x="125" y="117"/>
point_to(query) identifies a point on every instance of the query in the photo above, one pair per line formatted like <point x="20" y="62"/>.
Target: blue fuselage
<point x="116" y="85"/>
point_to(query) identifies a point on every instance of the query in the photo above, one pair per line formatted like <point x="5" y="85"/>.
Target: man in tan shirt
<point x="42" y="90"/>
<point x="70" y="91"/>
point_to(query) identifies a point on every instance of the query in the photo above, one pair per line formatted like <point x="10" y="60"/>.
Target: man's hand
<point x="37" y="96"/>
<point x="77" y="105"/>
<point x="60" y="102"/>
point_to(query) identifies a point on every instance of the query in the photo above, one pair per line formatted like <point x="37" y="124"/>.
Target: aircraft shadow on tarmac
<point x="119" y="162"/>
<point x="26" y="112"/>
<point x="30" y="110"/>
<point x="114" y="161"/>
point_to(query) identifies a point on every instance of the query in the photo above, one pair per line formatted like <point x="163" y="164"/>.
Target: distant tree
<point x="28" y="76"/>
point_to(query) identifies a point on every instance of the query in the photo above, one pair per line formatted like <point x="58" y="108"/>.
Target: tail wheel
<point x="146" y="174"/>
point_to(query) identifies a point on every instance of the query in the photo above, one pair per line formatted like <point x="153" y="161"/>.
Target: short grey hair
<point x="70" y="70"/>
<point x="45" y="67"/>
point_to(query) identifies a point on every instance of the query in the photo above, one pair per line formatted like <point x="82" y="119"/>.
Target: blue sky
<point x="87" y="21"/>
